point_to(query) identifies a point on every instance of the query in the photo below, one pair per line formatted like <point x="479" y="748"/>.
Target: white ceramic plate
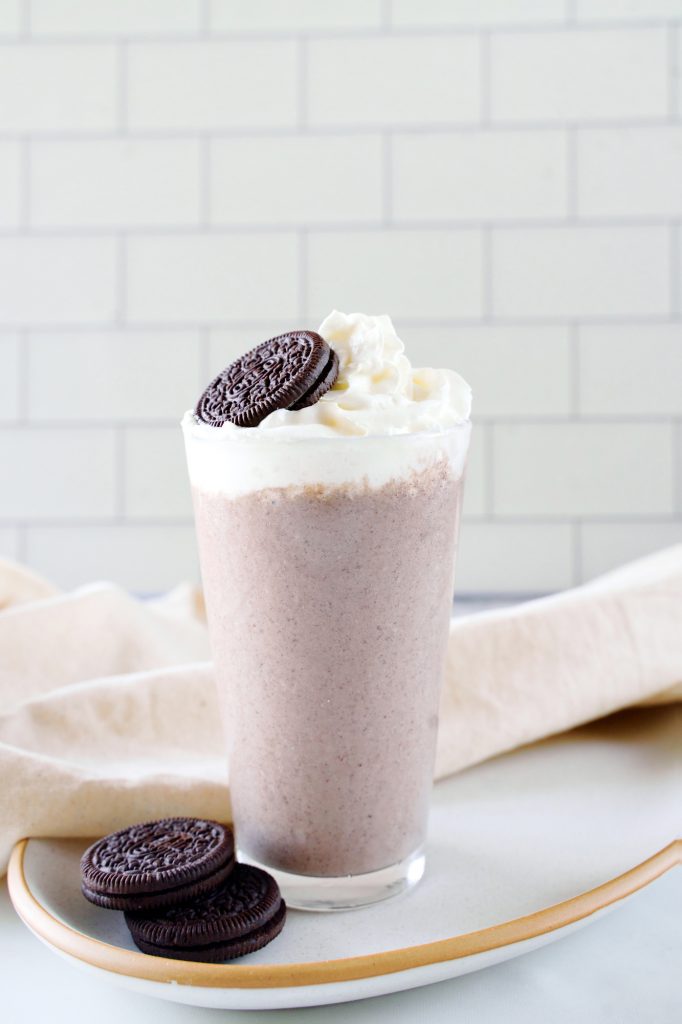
<point x="522" y="850"/>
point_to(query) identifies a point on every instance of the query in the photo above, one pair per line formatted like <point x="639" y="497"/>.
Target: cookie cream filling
<point x="378" y="397"/>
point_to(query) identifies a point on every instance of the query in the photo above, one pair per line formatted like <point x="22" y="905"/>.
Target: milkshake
<point x="327" y="540"/>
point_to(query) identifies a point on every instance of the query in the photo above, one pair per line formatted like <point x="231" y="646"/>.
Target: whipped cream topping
<point x="377" y="396"/>
<point x="376" y="393"/>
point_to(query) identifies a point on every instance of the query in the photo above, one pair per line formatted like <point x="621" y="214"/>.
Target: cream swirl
<point x="406" y="419"/>
<point x="377" y="392"/>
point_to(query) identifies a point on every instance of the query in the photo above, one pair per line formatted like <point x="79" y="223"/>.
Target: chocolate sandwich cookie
<point x="291" y="371"/>
<point x="157" y="864"/>
<point x="243" y="915"/>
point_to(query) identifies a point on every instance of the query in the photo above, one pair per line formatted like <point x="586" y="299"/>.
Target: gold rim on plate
<point x="184" y="972"/>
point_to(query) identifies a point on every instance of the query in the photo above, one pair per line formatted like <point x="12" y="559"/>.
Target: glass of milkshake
<point x="327" y="540"/>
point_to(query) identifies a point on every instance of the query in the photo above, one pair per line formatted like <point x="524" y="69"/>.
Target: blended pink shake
<point x="327" y="542"/>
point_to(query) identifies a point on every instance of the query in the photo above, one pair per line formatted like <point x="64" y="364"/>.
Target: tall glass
<point x="328" y="567"/>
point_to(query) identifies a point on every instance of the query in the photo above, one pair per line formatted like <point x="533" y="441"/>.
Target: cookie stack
<point x="182" y="892"/>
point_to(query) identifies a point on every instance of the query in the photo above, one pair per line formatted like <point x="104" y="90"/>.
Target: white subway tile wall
<point x="204" y="278"/>
<point x="115" y="183"/>
<point x="227" y="343"/>
<point x="115" y="17"/>
<point x="10" y="18"/>
<point x="630" y="10"/>
<point x="636" y="172"/>
<point x="181" y="178"/>
<point x="394" y="80"/>
<point x="605" y="545"/>
<point x="10" y="377"/>
<point x="459" y="176"/>
<point x="52" y="474"/>
<point x="156" y="485"/>
<point x="58" y="88"/>
<point x="140" y="556"/>
<point x="631" y="370"/>
<point x="293" y="16"/>
<point x="477" y="13"/>
<point x="537" y="557"/>
<point x="582" y="271"/>
<point x="514" y="371"/>
<point x="422" y="274"/>
<point x="477" y="479"/>
<point x="112" y="376"/>
<point x="53" y="279"/>
<point x="332" y="179"/>
<point x="572" y="76"/>
<point x="584" y="469"/>
<point x="10" y="184"/>
<point x="10" y="543"/>
<point x="209" y="86"/>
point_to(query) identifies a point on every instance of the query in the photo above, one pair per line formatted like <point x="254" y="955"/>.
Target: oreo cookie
<point x="241" y="916"/>
<point x="291" y="371"/>
<point x="157" y="864"/>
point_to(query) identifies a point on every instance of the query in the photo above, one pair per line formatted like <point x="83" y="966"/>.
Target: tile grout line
<point x="473" y="323"/>
<point x="418" y="128"/>
<point x="350" y="227"/>
<point x="350" y="34"/>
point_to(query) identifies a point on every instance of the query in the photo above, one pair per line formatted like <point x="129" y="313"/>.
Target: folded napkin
<point x="108" y="713"/>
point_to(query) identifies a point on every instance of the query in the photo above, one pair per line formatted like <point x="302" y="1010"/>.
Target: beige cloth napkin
<point x="108" y="713"/>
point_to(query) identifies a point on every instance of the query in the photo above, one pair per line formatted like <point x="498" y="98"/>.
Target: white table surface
<point x="626" y="968"/>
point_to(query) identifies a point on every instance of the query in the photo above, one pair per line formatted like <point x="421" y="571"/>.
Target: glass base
<point x="310" y="892"/>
